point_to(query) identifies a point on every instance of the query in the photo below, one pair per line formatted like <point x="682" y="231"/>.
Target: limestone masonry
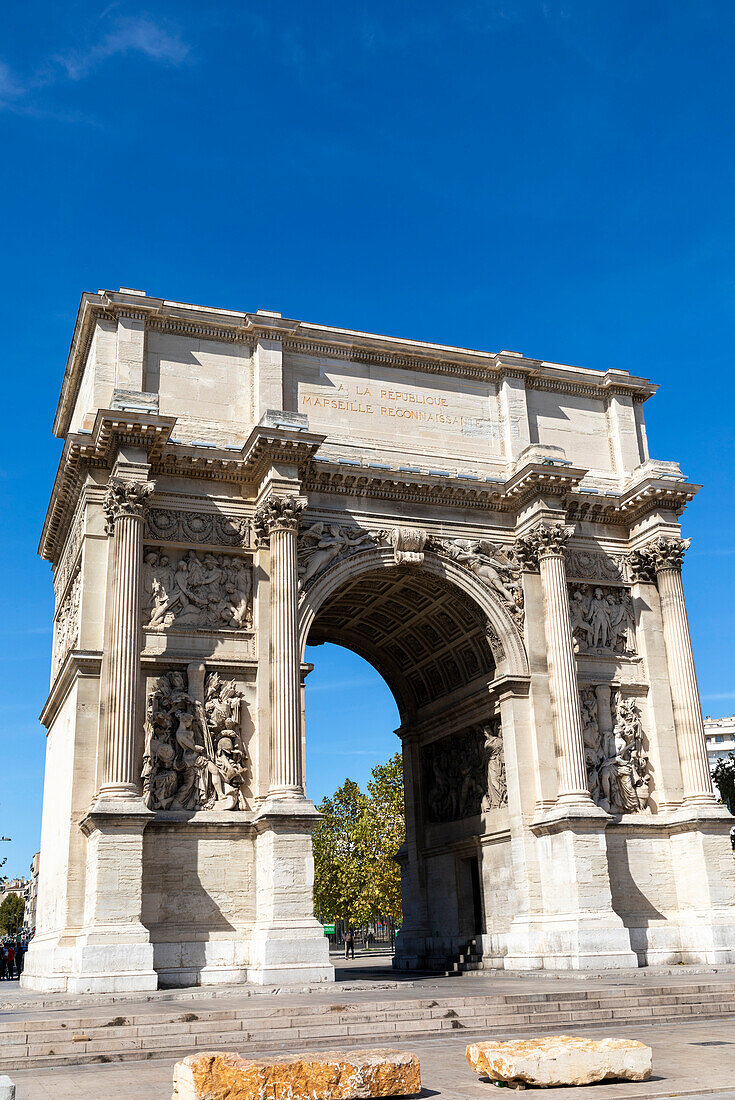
<point x="487" y="530"/>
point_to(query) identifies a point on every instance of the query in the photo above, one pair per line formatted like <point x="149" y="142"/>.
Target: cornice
<point x="78" y="664"/>
<point x="96" y="450"/>
<point x="91" y="450"/>
<point x="632" y="503"/>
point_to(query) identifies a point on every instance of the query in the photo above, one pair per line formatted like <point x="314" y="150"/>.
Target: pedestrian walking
<point x="20" y="956"/>
<point x="10" y="960"/>
<point x="2" y="961"/>
<point x="349" y="943"/>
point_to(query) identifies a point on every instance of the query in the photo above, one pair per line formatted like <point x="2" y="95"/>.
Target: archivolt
<point x="509" y="651"/>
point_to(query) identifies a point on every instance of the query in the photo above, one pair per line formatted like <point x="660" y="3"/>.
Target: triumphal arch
<point x="488" y="530"/>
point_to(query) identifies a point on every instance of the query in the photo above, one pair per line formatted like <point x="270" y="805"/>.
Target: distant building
<point x="720" y="736"/>
<point x="29" y="917"/>
<point x="17" y="886"/>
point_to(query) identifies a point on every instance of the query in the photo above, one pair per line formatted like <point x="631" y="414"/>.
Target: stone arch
<point x="503" y="635"/>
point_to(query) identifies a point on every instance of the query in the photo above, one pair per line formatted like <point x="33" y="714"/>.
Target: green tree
<point x="386" y="832"/>
<point x="355" y="875"/>
<point x="724" y="776"/>
<point x="339" y="855"/>
<point x="11" y="915"/>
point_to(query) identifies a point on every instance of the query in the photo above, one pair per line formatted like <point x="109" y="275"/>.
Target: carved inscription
<point x="194" y="757"/>
<point x="464" y="774"/>
<point x="603" y="620"/>
<point x="617" y="762"/>
<point x="195" y="591"/>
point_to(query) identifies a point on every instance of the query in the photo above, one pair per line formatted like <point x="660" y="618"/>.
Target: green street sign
<point x="328" y="929"/>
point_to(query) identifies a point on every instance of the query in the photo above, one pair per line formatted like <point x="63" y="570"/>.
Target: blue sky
<point x="553" y="178"/>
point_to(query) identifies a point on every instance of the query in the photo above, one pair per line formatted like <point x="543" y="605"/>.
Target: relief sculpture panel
<point x="66" y="629"/>
<point x="194" y="757"/>
<point x="464" y="774"/>
<point x="603" y="620"/>
<point x="196" y="591"/>
<point x="323" y="544"/>
<point x="615" y="755"/>
<point x="495" y="566"/>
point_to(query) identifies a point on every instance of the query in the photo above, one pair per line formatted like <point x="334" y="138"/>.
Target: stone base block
<point x="7" y="1088"/>
<point x="561" y="1060"/>
<point x="289" y="953"/>
<point x="112" y="968"/>
<point x="355" y="1075"/>
<point x="570" y="943"/>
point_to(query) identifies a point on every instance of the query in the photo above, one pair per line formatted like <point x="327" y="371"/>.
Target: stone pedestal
<point x="287" y="942"/>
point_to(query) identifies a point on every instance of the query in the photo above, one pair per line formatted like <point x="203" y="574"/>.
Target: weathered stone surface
<point x="561" y="1060"/>
<point x="332" y="1075"/>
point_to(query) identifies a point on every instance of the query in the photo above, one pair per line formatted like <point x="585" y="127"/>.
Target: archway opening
<point x="429" y="643"/>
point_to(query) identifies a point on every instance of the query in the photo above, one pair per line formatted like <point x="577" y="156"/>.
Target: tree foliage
<point x="11" y="914"/>
<point x="723" y="774"/>
<point x="356" y="878"/>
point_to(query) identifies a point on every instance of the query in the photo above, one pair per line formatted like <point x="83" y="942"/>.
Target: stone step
<point x="88" y="1039"/>
<point x="144" y="1047"/>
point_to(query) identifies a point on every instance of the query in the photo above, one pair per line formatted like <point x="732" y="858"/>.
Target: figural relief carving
<point x="171" y="525"/>
<point x="323" y="544"/>
<point x="408" y="545"/>
<point x="603" y="620"/>
<point x="464" y="774"/>
<point x="194" y="591"/>
<point x="67" y="622"/>
<point x="194" y="757"/>
<point x="497" y="568"/>
<point x="617" y="762"/>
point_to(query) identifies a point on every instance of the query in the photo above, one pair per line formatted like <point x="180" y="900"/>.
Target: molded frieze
<point x="603" y="620"/>
<point x="194" y="757"/>
<point x="464" y="774"/>
<point x="213" y="528"/>
<point x="195" y="591"/>
<point x="596" y="565"/>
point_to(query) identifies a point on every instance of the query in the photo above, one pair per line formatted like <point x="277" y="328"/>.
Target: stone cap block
<point x="561" y="1060"/>
<point x="330" y="1075"/>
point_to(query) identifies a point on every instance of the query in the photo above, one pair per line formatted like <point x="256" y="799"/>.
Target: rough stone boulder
<point x="560" y="1060"/>
<point x="355" y="1075"/>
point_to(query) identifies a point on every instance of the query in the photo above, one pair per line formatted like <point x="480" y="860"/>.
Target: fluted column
<point x="666" y="555"/>
<point x="124" y="507"/>
<point x="278" y="521"/>
<point x="543" y="548"/>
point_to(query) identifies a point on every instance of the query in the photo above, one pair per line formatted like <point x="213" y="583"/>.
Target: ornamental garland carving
<point x="324" y="544"/>
<point x="546" y="540"/>
<point x="171" y="525"/>
<point x="464" y="774"/>
<point x="603" y="620"/>
<point x="125" y="498"/>
<point x="595" y="565"/>
<point x="194" y="756"/>
<point x="195" y="591"/>
<point x="617" y="762"/>
<point x="278" y="513"/>
<point x="67" y="622"/>
<point x="497" y="568"/>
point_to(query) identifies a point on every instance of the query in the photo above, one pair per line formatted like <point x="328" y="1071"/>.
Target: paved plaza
<point x="693" y="1053"/>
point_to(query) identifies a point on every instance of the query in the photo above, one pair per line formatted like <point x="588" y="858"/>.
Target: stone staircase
<point x="468" y="961"/>
<point x="73" y="1036"/>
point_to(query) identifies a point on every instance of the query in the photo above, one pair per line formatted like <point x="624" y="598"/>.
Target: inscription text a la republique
<point x="427" y="408"/>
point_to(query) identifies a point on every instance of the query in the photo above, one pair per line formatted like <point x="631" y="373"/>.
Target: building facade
<point x="719" y="735"/>
<point x="488" y="530"/>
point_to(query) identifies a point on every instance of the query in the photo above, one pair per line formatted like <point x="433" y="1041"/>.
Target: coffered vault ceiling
<point x="420" y="633"/>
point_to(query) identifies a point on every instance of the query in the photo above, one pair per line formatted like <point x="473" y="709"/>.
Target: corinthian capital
<point x="277" y="514"/>
<point x="662" y="553"/>
<point x="125" y="498"/>
<point x="545" y="541"/>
